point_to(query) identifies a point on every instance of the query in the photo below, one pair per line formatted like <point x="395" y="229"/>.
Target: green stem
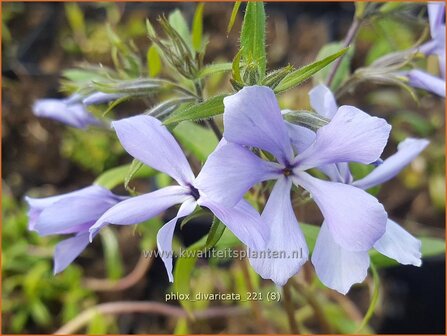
<point x="198" y="84"/>
<point x="374" y="299"/>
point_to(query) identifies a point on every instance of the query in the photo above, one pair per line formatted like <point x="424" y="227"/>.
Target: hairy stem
<point x="198" y="85"/>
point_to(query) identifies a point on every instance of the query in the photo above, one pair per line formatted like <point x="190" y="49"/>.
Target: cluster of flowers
<point x="354" y="220"/>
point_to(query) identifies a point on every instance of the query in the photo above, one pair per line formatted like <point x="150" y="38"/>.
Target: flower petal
<point x="69" y="214"/>
<point x="399" y="245"/>
<point x="322" y="101"/>
<point x="230" y="172"/>
<point x="166" y="234"/>
<point x="252" y="117"/>
<point x="436" y="12"/>
<point x="146" y="139"/>
<point x="38" y="205"/>
<point x="141" y="208"/>
<point x="68" y="250"/>
<point x="286" y="239"/>
<point x="301" y="137"/>
<point x="407" y="151"/>
<point x="425" y="81"/>
<point x="336" y="267"/>
<point x="243" y="220"/>
<point x="355" y="218"/>
<point x="75" y="115"/>
<point x="352" y="135"/>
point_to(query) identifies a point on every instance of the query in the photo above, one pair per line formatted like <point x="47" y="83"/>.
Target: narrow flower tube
<point x="68" y="111"/>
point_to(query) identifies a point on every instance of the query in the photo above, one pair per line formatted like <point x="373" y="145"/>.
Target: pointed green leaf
<point x="207" y="109"/>
<point x="216" y="231"/>
<point x="214" y="68"/>
<point x="112" y="256"/>
<point x="153" y="61"/>
<point x="197" y="28"/>
<point x="236" y="66"/>
<point x="178" y="22"/>
<point x="116" y="176"/>
<point x="236" y="6"/>
<point x="343" y="70"/>
<point x="196" y="139"/>
<point x="300" y="75"/>
<point x="253" y="36"/>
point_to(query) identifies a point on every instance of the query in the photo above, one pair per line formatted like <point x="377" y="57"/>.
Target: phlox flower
<point x="146" y="139"/>
<point x="338" y="267"/>
<point x="436" y="46"/>
<point x="69" y="111"/>
<point x="252" y="119"/>
<point x="72" y="213"/>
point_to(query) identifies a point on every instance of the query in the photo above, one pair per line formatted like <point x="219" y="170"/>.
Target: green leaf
<point x="198" y="140"/>
<point x="275" y="77"/>
<point x="97" y="325"/>
<point x="182" y="276"/>
<point x="311" y="234"/>
<point x="216" y="232"/>
<point x="178" y="22"/>
<point x="115" y="176"/>
<point x="236" y="66"/>
<point x="140" y="86"/>
<point x="112" y="256"/>
<point x="135" y="166"/>
<point x="75" y="18"/>
<point x="343" y="70"/>
<point x="300" y="75"/>
<point x="214" y="68"/>
<point x="253" y="36"/>
<point x="207" y="109"/>
<point x="181" y="327"/>
<point x="197" y="28"/>
<point x="236" y="6"/>
<point x="40" y="313"/>
<point x="153" y="61"/>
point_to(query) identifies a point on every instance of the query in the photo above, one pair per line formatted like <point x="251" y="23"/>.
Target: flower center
<point x="194" y="192"/>
<point x="287" y="171"/>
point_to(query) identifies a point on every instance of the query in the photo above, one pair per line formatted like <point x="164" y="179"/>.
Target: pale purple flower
<point x="252" y="118"/>
<point x="336" y="266"/>
<point x="71" y="213"/>
<point x="146" y="139"/>
<point x="423" y="80"/>
<point x="69" y="111"/>
<point x="436" y="46"/>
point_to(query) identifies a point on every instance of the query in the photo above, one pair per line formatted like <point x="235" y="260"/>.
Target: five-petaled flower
<point x="252" y="118"/>
<point x="147" y="140"/>
<point x="336" y="266"/>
